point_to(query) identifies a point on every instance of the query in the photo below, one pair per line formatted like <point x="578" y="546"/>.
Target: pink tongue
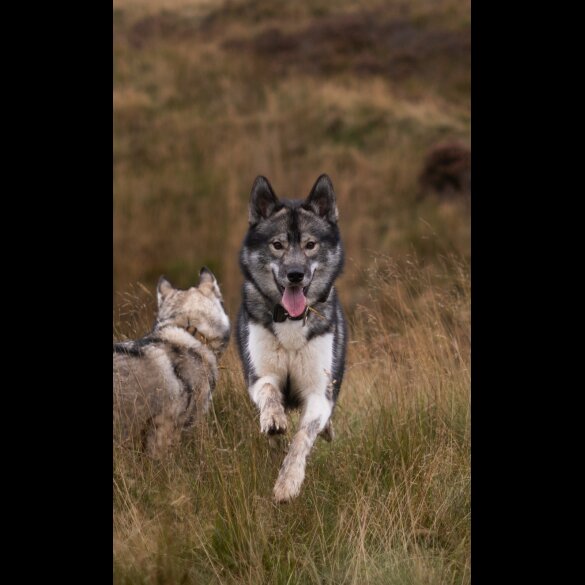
<point x="294" y="301"/>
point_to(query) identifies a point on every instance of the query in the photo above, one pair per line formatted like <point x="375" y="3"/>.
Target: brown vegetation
<point x="207" y="95"/>
<point x="447" y="170"/>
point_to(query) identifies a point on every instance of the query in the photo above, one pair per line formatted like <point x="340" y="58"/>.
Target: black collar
<point x="279" y="314"/>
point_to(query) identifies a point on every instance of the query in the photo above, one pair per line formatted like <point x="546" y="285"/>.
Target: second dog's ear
<point x="205" y="275"/>
<point x="163" y="289"/>
<point x="262" y="200"/>
<point x="208" y="282"/>
<point x="321" y="200"/>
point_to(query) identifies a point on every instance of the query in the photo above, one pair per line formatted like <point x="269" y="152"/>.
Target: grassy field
<point x="207" y="95"/>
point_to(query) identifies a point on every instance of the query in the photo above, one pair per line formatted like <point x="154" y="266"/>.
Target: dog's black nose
<point x="295" y="277"/>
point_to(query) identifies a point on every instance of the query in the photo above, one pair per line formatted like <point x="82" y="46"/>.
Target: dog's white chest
<point x="291" y="334"/>
<point x="288" y="354"/>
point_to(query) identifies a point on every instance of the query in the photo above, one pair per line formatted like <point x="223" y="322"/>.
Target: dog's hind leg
<point x="314" y="419"/>
<point x="327" y="433"/>
<point x="162" y="434"/>
<point x="268" y="398"/>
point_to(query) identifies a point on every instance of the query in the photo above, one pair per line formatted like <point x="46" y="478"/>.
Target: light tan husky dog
<point x="163" y="382"/>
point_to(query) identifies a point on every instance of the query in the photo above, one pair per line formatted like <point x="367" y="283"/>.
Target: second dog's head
<point x="198" y="310"/>
<point x="292" y="251"/>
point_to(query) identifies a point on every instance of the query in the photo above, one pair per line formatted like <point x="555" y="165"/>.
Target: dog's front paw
<point x="273" y="421"/>
<point x="287" y="487"/>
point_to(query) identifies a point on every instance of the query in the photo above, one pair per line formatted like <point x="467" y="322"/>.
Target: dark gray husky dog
<point x="291" y="331"/>
<point x="163" y="381"/>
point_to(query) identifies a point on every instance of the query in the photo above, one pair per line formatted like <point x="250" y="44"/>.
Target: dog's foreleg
<point x="202" y="399"/>
<point x="266" y="395"/>
<point x="314" y="419"/>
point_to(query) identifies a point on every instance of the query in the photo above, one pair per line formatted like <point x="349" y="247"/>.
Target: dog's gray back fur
<point x="307" y="366"/>
<point x="163" y="381"/>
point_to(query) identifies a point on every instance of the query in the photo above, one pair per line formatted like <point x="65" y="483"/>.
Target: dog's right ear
<point x="262" y="200"/>
<point x="206" y="276"/>
<point x="163" y="289"/>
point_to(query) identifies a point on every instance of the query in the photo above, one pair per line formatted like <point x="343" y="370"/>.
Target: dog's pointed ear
<point x="263" y="200"/>
<point x="163" y="289"/>
<point x="208" y="282"/>
<point x="206" y="276"/>
<point x="321" y="200"/>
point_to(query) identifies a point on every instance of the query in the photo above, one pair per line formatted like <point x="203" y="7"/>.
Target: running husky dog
<point x="163" y="382"/>
<point x="291" y="331"/>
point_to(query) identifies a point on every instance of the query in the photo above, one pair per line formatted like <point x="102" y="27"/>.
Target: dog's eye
<point x="277" y="245"/>
<point x="310" y="245"/>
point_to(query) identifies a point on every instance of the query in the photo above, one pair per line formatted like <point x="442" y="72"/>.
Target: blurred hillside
<point x="209" y="94"/>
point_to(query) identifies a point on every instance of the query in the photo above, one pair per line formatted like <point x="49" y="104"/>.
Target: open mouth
<point x="294" y="298"/>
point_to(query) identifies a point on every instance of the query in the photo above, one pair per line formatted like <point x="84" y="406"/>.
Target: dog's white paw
<point x="288" y="486"/>
<point x="273" y="421"/>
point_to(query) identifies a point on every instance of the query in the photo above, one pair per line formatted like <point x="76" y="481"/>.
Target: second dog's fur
<point x="163" y="381"/>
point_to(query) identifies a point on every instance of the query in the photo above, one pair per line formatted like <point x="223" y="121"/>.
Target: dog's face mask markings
<point x="287" y="243"/>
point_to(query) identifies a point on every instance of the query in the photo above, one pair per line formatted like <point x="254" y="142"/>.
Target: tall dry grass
<point x="387" y="502"/>
<point x="197" y="116"/>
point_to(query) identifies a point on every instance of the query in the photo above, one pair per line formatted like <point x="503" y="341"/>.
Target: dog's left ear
<point x="321" y="200"/>
<point x="208" y="282"/>
<point x="206" y="276"/>
<point x="163" y="289"/>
